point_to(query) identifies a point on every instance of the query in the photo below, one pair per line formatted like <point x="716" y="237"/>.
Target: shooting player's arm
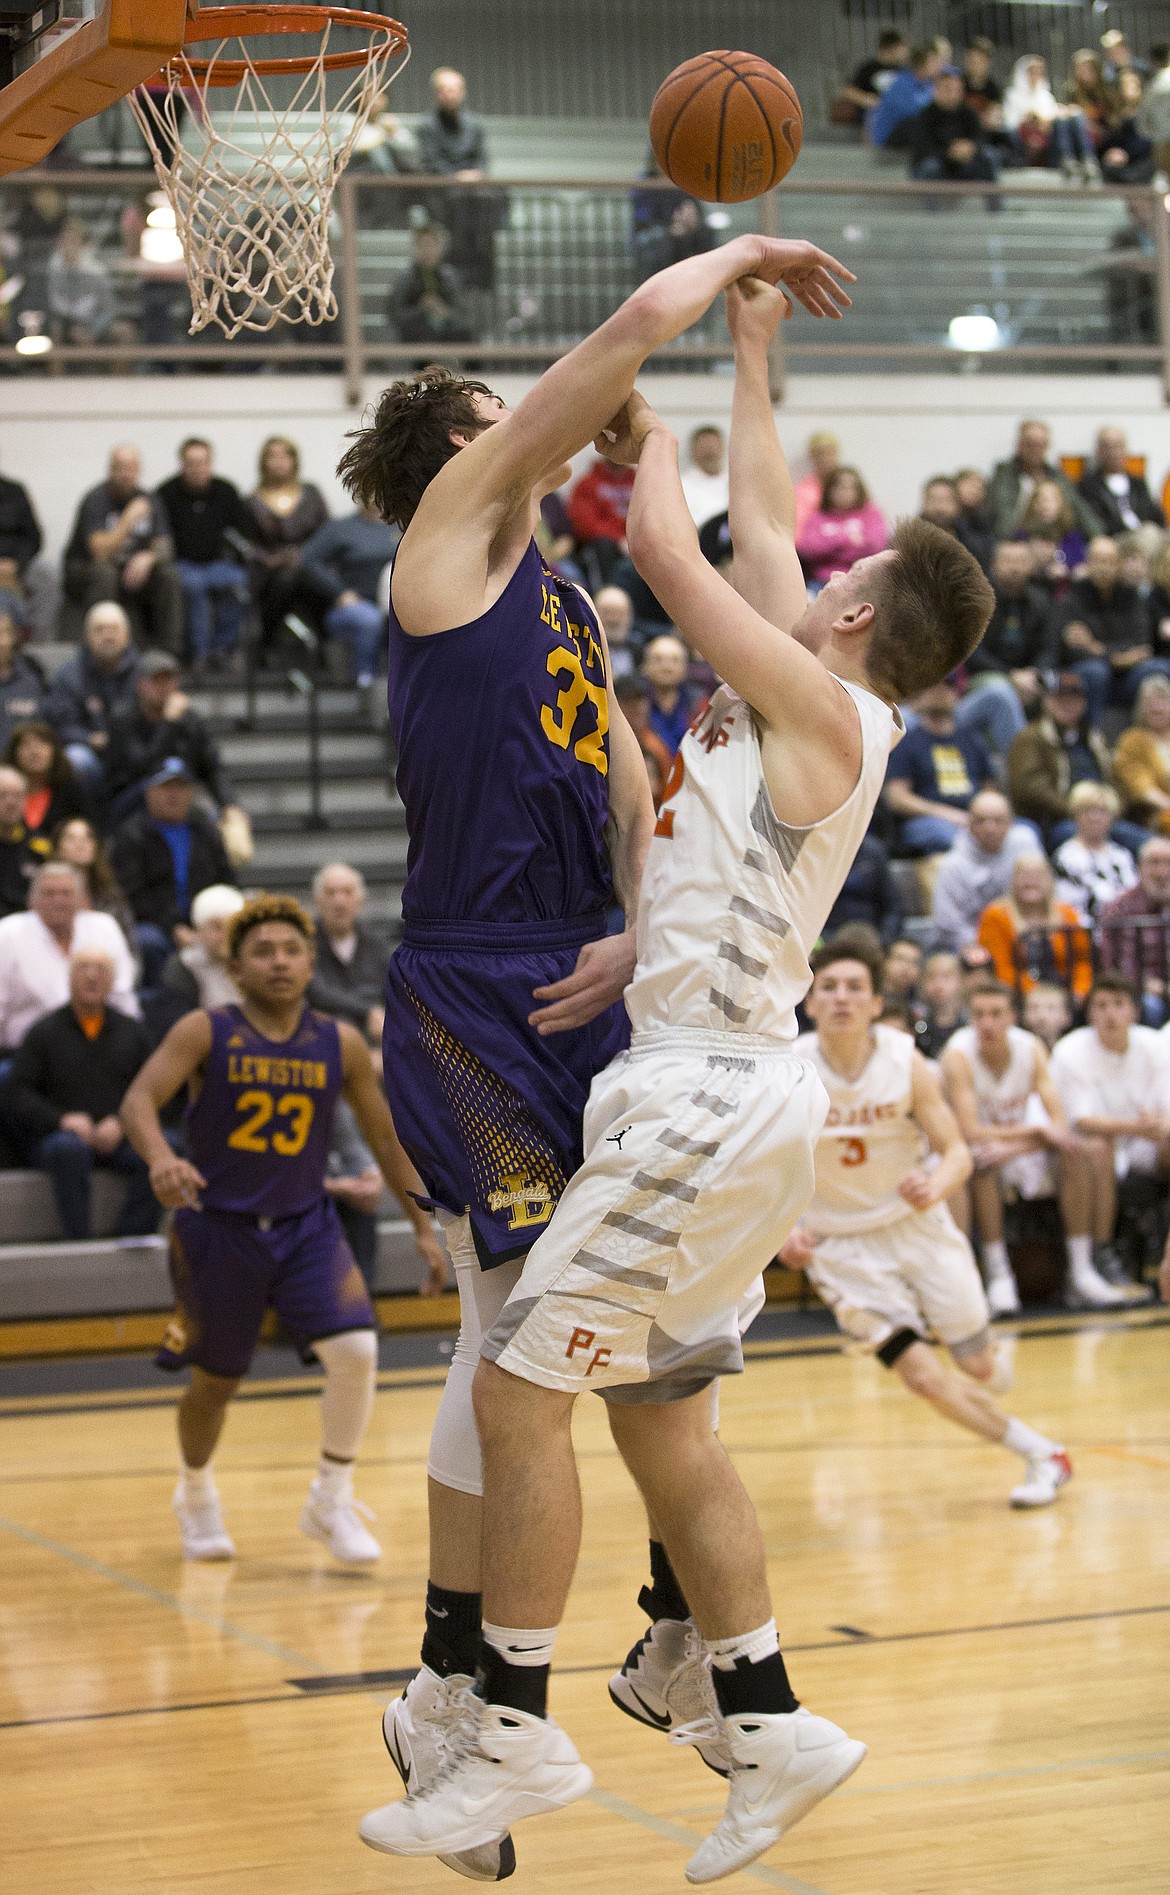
<point x="766" y="571"/>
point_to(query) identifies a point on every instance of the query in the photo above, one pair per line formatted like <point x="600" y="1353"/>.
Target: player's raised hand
<point x="755" y="310"/>
<point x="604" y="970"/>
<point x="807" y="275"/>
<point x="176" y="1183"/>
<point x="625" y="434"/>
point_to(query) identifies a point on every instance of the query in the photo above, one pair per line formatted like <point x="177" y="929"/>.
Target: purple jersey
<point x="259" y="1129"/>
<point x="501" y="727"/>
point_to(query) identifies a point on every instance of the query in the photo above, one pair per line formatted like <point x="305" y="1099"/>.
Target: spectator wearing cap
<point x="978" y="868"/>
<point x="1014" y="481"/>
<point x="120" y="550"/>
<point x="91" y="689"/>
<point x="161" y="722"/>
<point x="946" y="139"/>
<point x="342" y="564"/>
<point x="17" y="860"/>
<point x="1059" y="749"/>
<point x="1135" y="931"/>
<point x="1104" y="632"/>
<point x="163" y="856"/>
<point x="1122" y="500"/>
<point x="934" y="773"/>
<point x="205" y="514"/>
<point x="35" y="948"/>
<point x="63" y="1093"/>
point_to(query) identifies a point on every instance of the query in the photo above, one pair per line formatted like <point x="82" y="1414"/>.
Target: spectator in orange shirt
<point x="1031" y="936"/>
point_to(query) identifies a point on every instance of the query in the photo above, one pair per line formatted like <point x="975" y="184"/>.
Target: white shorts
<point x="698" y="1163"/>
<point x="919" y="1274"/>
<point x="1032" y="1174"/>
<point x="1138" y="1156"/>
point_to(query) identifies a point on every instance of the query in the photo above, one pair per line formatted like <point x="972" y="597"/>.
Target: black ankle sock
<point x="762" y="1687"/>
<point x="521" y="1687"/>
<point x="663" y="1598"/>
<point x="452" y="1638"/>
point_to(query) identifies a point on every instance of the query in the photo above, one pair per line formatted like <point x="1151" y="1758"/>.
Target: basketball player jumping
<point x="877" y="1239"/>
<point x="254" y="1226"/>
<point x="529" y="811"/>
<point x="698" y="1141"/>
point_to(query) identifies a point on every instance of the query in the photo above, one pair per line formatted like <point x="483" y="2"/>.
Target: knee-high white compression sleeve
<point x="454" y="1459"/>
<point x="350" y="1362"/>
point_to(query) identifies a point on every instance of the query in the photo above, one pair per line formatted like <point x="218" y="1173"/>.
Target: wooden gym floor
<point x="209" y="1730"/>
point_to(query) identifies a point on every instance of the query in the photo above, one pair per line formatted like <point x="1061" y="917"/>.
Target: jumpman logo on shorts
<point x="615" y="1138"/>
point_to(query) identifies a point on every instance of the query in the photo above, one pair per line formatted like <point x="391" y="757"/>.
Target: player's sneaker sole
<point x="493" y="1861"/>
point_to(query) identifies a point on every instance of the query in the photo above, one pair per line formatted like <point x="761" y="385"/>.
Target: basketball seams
<point x="703" y="146"/>
<point x="691" y="95"/>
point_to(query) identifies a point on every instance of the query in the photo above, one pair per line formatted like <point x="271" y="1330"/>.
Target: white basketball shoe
<point x="331" y="1515"/>
<point x="1045" y="1477"/>
<point x="501" y="1766"/>
<point x="201" y="1526"/>
<point x="419" y="1729"/>
<point x="666" y="1683"/>
<point x="782" y="1767"/>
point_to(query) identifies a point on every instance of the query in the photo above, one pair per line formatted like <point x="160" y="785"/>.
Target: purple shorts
<point x="227" y="1270"/>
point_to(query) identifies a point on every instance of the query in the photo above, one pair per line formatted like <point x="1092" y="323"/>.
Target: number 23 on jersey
<point x="293" y="1112"/>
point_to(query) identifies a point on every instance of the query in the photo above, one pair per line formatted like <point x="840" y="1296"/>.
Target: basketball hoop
<point x="252" y="185"/>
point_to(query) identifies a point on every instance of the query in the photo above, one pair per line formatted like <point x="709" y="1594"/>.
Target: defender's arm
<point x="762" y="515"/>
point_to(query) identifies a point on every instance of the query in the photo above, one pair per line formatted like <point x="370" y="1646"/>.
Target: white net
<point x="252" y="184"/>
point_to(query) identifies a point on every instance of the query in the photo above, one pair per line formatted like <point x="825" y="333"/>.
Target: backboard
<point x="62" y="61"/>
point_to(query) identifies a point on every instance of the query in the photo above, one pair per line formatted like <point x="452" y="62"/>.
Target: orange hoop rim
<point x="243" y="23"/>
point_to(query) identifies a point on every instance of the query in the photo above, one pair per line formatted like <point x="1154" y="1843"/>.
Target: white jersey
<point x="1000" y="1099"/>
<point x="733" y="900"/>
<point x="870" y="1140"/>
<point x="1096" y="1084"/>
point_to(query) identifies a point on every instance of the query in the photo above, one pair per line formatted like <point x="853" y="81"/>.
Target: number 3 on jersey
<point x="670" y="789"/>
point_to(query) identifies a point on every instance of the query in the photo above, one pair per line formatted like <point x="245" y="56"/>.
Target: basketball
<point x="726" y="127"/>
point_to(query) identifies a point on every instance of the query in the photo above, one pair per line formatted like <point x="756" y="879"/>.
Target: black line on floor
<point x="147" y="1710"/>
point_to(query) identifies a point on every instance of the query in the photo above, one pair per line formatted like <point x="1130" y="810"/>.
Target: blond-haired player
<point x="878" y="1241"/>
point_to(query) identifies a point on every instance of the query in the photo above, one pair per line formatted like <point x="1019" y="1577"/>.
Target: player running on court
<point x="877" y="1240"/>
<point x="529" y="815"/>
<point x="254" y="1227"/>
<point x="699" y="1141"/>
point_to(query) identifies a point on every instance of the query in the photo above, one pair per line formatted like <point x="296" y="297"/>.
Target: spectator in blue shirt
<point x="934" y="773"/>
<point x="907" y="95"/>
<point x="342" y="563"/>
<point x="672" y="699"/>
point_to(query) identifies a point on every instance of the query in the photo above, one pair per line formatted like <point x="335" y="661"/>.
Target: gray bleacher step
<point x="380" y="853"/>
<point x="362" y="803"/>
<point x="351" y="752"/>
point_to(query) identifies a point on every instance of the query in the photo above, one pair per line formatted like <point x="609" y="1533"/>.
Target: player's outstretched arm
<point x="363" y="1090"/>
<point x="934" y="1115"/>
<point x="174" y="1181"/>
<point x="762" y="513"/>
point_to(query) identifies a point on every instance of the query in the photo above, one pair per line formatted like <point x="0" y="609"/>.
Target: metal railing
<point x="1071" y="277"/>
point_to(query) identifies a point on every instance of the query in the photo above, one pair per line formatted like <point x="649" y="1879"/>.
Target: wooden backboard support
<point x="84" y="72"/>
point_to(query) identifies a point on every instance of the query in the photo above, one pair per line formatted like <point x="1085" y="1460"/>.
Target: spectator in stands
<point x="869" y="894"/>
<point x="633" y="694"/>
<point x="1111" y="1076"/>
<point x="909" y="93"/>
<point x="1008" y="1103"/>
<point x="666" y="226"/>
<point x="163" y="855"/>
<point x="1093" y="869"/>
<point x="902" y="971"/>
<point x="386" y="145"/>
<point x="285" y="513"/>
<point x="981" y="89"/>
<point x="1134" y="931"/>
<point x="1154" y="116"/>
<point x="1046" y="133"/>
<point x="1104" y="632"/>
<point x="934" y="773"/>
<point x="80" y="296"/>
<point x="1015" y="645"/>
<point x="1127" y="155"/>
<point x="1047" y="1012"/>
<point x="846" y="527"/>
<point x="427" y="302"/>
<point x="1141" y="761"/>
<point x="343" y="563"/>
<point x="977" y="869"/>
<point x="1122" y="501"/>
<point x="1032" y="936"/>
<point x="1055" y="751"/>
<point x="161" y="722"/>
<point x="23" y="693"/>
<point x="1012" y="483"/>
<point x="452" y="144"/>
<point x="63" y="1093"/>
<point x="350" y="973"/>
<point x="556" y="539"/>
<point x="615" y="610"/>
<point x="874" y="77"/>
<point x="92" y="689"/>
<point x="22" y="575"/>
<point x="1117" y="58"/>
<point x="53" y="790"/>
<point x="208" y="520"/>
<point x="824" y="458"/>
<point x="941" y="505"/>
<point x="940" y="1010"/>
<point x="598" y="505"/>
<point x="672" y="700"/>
<point x="35" y="948"/>
<point x="1087" y="91"/>
<point x="945" y="139"/>
<point x="196" y="975"/>
<point x="17" y="861"/>
<point x="1049" y="527"/>
<point x="79" y="844"/>
<point x="974" y="526"/>
<point x="704" y="480"/>
<point x="120" y="550"/>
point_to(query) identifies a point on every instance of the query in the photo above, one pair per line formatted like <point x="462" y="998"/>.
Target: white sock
<point x="334" y="1478"/>
<point x="521" y="1645"/>
<point x="995" y="1259"/>
<point x="1080" y="1255"/>
<point x="1027" y="1442"/>
<point x="350" y="1362"/>
<point x="754" y="1646"/>
<point x="198" y="1483"/>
